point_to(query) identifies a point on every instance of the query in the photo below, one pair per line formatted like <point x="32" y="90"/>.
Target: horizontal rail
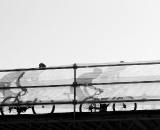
<point x="129" y="82"/>
<point x="120" y="64"/>
<point x="33" y="69"/>
<point x="86" y="66"/>
<point x="37" y="103"/>
<point x="78" y="102"/>
<point x="39" y="86"/>
<point x="90" y="84"/>
<point x="118" y="101"/>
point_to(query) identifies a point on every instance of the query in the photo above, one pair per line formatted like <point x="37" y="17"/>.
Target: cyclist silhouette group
<point x="84" y="82"/>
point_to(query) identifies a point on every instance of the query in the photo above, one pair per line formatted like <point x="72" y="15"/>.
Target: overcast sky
<point x="59" y="32"/>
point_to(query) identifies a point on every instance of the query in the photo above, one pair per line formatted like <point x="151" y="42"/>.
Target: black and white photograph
<point x="79" y="65"/>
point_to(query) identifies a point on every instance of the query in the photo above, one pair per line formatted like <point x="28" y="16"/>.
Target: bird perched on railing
<point x="42" y="66"/>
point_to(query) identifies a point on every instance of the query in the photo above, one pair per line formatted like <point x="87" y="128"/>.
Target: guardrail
<point x="75" y="67"/>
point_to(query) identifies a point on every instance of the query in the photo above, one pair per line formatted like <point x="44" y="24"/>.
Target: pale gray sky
<point x="59" y="32"/>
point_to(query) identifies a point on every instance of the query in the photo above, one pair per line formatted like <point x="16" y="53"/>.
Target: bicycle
<point x="6" y="110"/>
<point x="8" y="101"/>
<point x="91" y="103"/>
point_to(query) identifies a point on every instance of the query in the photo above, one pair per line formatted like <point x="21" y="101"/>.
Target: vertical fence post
<point x="74" y="86"/>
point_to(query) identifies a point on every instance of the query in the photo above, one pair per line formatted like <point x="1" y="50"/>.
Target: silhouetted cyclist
<point x="86" y="80"/>
<point x="8" y="80"/>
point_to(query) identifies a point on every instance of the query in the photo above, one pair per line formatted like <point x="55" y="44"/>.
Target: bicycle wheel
<point x="88" y="107"/>
<point x="9" y="110"/>
<point x="127" y="106"/>
<point x="43" y="109"/>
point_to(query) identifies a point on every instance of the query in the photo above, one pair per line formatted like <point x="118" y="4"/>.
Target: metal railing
<point x="75" y="67"/>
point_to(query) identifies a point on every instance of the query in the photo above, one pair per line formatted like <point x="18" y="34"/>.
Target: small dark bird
<point x="42" y="66"/>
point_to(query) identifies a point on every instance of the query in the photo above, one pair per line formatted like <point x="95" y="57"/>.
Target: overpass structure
<point x="100" y="96"/>
<point x="138" y="120"/>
